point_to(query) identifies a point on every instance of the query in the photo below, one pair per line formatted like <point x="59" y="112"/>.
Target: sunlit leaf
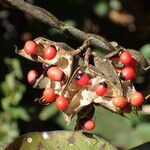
<point x="60" y="140"/>
<point x="19" y="113"/>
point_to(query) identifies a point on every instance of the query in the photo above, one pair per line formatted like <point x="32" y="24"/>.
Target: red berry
<point x="125" y="57"/>
<point x="126" y="109"/>
<point x="30" y="48"/>
<point x="127" y="73"/>
<point x="137" y="99"/>
<point x="89" y="125"/>
<point x="50" y="52"/>
<point x="61" y="103"/>
<point x="132" y="64"/>
<point x="101" y="88"/>
<point x="31" y="76"/>
<point x="55" y="73"/>
<point x="119" y="101"/>
<point x="82" y="79"/>
<point x="49" y="94"/>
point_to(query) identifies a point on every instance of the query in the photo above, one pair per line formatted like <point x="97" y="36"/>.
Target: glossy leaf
<point x="69" y="140"/>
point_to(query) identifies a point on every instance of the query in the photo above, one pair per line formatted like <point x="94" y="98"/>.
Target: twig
<point x="46" y="17"/>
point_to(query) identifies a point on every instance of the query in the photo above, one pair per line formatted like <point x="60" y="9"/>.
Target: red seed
<point x="119" y="101"/>
<point x="127" y="73"/>
<point x="30" y="48"/>
<point x="49" y="95"/>
<point x="31" y="76"/>
<point x="50" y="52"/>
<point x="127" y="109"/>
<point x="137" y="99"/>
<point x="61" y="103"/>
<point x="89" y="125"/>
<point x="101" y="88"/>
<point x="125" y="57"/>
<point x="55" y="73"/>
<point x="132" y="64"/>
<point x="82" y="79"/>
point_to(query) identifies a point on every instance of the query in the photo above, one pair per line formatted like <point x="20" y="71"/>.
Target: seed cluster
<point x="128" y="72"/>
<point x="83" y="80"/>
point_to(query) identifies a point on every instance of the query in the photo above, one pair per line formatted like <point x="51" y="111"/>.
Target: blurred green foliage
<point x="145" y="50"/>
<point x="12" y="90"/>
<point x="90" y="16"/>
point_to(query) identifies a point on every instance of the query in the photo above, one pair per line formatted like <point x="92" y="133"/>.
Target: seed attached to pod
<point x="119" y="101"/>
<point x="49" y="95"/>
<point x="32" y="76"/>
<point x="30" y="48"/>
<point x="55" y="73"/>
<point x="82" y="79"/>
<point x="137" y="99"/>
<point x="89" y="125"/>
<point x="50" y="52"/>
<point x="132" y="64"/>
<point x="127" y="73"/>
<point x="61" y="103"/>
<point x="101" y="88"/>
<point x="125" y="57"/>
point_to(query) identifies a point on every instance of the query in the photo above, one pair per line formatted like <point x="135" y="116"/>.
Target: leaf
<point x="48" y="112"/>
<point x="144" y="146"/>
<point x="14" y="64"/>
<point x="145" y="50"/>
<point x="8" y="131"/>
<point x="60" y="140"/>
<point x="19" y="113"/>
<point x="139" y="135"/>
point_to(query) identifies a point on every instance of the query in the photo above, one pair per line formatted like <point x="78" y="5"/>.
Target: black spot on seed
<point x="121" y="77"/>
<point x="104" y="84"/>
<point x="79" y="75"/>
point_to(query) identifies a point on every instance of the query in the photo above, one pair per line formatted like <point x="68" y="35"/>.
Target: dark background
<point x="126" y="22"/>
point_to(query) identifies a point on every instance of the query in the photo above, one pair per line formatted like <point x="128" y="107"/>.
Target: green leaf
<point x="48" y="112"/>
<point x="6" y="102"/>
<point x="120" y="130"/>
<point x="134" y="137"/>
<point x="14" y="64"/>
<point x="5" y="89"/>
<point x="145" y="50"/>
<point x="8" y="131"/>
<point x="62" y="140"/>
<point x="10" y="81"/>
<point x="19" y="113"/>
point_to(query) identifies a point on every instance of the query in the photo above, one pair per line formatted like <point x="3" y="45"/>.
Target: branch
<point x="48" y="18"/>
